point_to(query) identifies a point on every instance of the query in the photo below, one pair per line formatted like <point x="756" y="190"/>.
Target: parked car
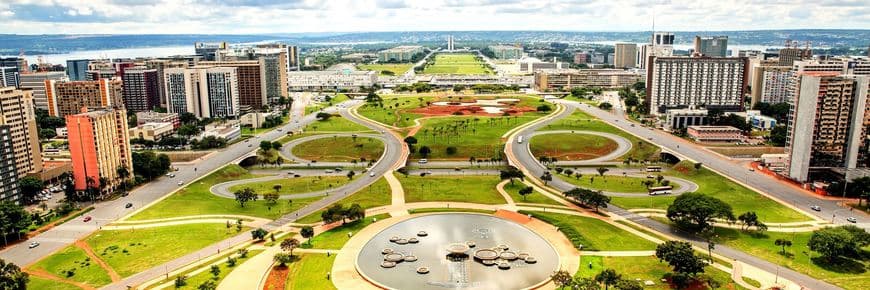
<point x="87" y="219"/>
<point x="816" y="208"/>
<point x="423" y="161"/>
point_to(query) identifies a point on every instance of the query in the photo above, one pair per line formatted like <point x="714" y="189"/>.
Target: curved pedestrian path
<point x="624" y="145"/>
<point x="287" y="149"/>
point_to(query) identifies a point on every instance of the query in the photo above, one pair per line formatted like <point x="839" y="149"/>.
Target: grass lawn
<point x="194" y="281"/>
<point x="534" y="197"/>
<point x="849" y="274"/>
<point x="337" y="237"/>
<point x="45" y="284"/>
<point x="740" y="198"/>
<point x="133" y="251"/>
<point x="643" y="268"/>
<point x="74" y="261"/>
<point x="196" y="199"/>
<point x="457" y="63"/>
<point x="594" y="234"/>
<point x="374" y="195"/>
<point x="435" y="210"/>
<point x="340" y="149"/>
<point x="336" y="123"/>
<point x="309" y="272"/>
<point x="395" y="68"/>
<point x="394" y="108"/>
<point x="640" y="149"/>
<point x="568" y="146"/>
<point x="246" y="130"/>
<point x="452" y="188"/>
<point x="295" y="185"/>
<point x="612" y="183"/>
<point x="472" y="136"/>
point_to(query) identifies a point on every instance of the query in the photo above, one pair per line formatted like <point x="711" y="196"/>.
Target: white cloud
<point x="282" y="16"/>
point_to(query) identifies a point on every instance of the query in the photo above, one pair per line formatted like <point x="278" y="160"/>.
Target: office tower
<point x="506" y="51"/>
<point x="16" y="112"/>
<point x="141" y="89"/>
<point x="792" y="52"/>
<point x="625" y="55"/>
<point x="68" y="98"/>
<point x="685" y="82"/>
<point x="565" y="79"/>
<point x="9" y="190"/>
<point x="250" y="80"/>
<point x="712" y="46"/>
<point x="36" y="82"/>
<point x="77" y="69"/>
<point x="207" y="92"/>
<point x="643" y="53"/>
<point x="450" y="43"/>
<point x="207" y="49"/>
<point x="293" y="61"/>
<point x="9" y="77"/>
<point x="160" y="65"/>
<point x="662" y="44"/>
<point x="16" y="62"/>
<point x="99" y="145"/>
<point x="827" y="126"/>
<point x="273" y="58"/>
<point x="771" y="84"/>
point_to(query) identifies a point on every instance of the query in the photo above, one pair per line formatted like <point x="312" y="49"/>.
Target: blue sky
<point x="292" y="16"/>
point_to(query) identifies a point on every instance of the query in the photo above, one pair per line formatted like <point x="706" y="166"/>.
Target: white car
<point x="180" y="182"/>
<point x="852" y="220"/>
<point x="372" y="174"/>
<point x="423" y="161"/>
<point x="33" y="245"/>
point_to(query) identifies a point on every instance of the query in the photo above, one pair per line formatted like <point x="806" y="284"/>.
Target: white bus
<point x="660" y="190"/>
<point x="520" y="140"/>
<point x="653" y="169"/>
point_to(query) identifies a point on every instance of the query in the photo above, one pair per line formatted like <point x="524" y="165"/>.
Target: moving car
<point x="852" y="220"/>
<point x="816" y="208"/>
<point x="180" y="182"/>
<point x="33" y="245"/>
<point x="129" y="205"/>
<point x="423" y="161"/>
<point x="87" y="219"/>
<point x="372" y="174"/>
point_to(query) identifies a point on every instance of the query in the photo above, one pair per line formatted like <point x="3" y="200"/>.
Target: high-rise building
<point x="9" y="77"/>
<point x="99" y="145"/>
<point x="772" y="84"/>
<point x="294" y="63"/>
<point x="580" y="58"/>
<point x="77" y="69"/>
<point x="643" y="53"/>
<point x="827" y="126"/>
<point x="273" y="58"/>
<point x="161" y="64"/>
<point x="16" y="112"/>
<point x="36" y="82"/>
<point x="625" y="55"/>
<point x="207" y="49"/>
<point x="9" y="190"/>
<point x="712" y="46"/>
<point x="450" y="43"/>
<point x="791" y="53"/>
<point x="207" y="92"/>
<point x="687" y="82"/>
<point x="662" y="44"/>
<point x="251" y="81"/>
<point x="17" y="62"/>
<point x="141" y="89"/>
<point x="68" y="98"/>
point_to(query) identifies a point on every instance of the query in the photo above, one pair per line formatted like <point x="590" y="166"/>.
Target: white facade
<point x="776" y="86"/>
<point x="331" y="80"/>
<point x="151" y="131"/>
<point x="207" y="92"/>
<point x="683" y="82"/>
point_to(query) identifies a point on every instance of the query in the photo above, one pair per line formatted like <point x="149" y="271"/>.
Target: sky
<point x="297" y="16"/>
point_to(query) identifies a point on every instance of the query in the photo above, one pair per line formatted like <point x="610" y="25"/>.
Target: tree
<point x="350" y="174"/>
<point x="289" y="245"/>
<point x="188" y="130"/>
<point x="150" y="165"/>
<point x="698" y="166"/>
<point x="45" y="134"/>
<point x="608" y="277"/>
<point x="307" y="232"/>
<point x="333" y="213"/>
<point x="277" y="188"/>
<point x="546" y="177"/>
<point x="13" y="219"/>
<point x="750" y="219"/>
<point x="525" y="191"/>
<point x="11" y="277"/>
<point x="450" y="150"/>
<point x="265" y="146"/>
<point x="207" y="285"/>
<point x="180" y="281"/>
<point x="510" y="174"/>
<point x="354" y="212"/>
<point x="562" y="278"/>
<point x="681" y="257"/>
<point x="321" y="116"/>
<point x="602" y="170"/>
<point x="215" y="270"/>
<point x="245" y="195"/>
<point x="778" y="135"/>
<point x="30" y="186"/>
<point x="605" y="106"/>
<point x="597" y="199"/>
<point x="283" y="259"/>
<point x="625" y="284"/>
<point x="410" y="140"/>
<point x="424" y="151"/>
<point x="782" y="243"/>
<point x="832" y="243"/>
<point x="697" y="211"/>
<point x="271" y="198"/>
<point x="258" y="234"/>
<point x="544" y="108"/>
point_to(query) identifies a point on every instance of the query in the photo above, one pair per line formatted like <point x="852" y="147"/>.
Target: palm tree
<point x="123" y="173"/>
<point x="602" y="170"/>
<point x="608" y="277"/>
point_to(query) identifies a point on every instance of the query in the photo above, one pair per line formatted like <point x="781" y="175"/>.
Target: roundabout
<point x="457" y="250"/>
<point x="288" y="149"/>
<point x="623" y="146"/>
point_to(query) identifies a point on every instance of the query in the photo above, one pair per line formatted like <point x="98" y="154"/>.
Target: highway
<point x="522" y="157"/>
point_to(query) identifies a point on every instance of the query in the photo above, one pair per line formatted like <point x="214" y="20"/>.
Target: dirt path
<point x="48" y="276"/>
<point x="90" y="252"/>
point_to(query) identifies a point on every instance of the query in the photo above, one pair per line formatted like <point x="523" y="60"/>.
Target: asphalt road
<point x="526" y="160"/>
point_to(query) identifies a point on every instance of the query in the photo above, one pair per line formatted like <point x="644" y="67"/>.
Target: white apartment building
<point x="207" y="92"/>
<point x="331" y="80"/>
<point x="699" y="82"/>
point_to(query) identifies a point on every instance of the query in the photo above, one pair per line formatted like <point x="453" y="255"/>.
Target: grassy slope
<point x="337" y="237"/>
<point x="611" y="183"/>
<point x="340" y="149"/>
<point x="376" y="194"/>
<point x="640" y="150"/>
<point x="336" y="124"/>
<point x="466" y="188"/>
<point x="567" y="146"/>
<point x="478" y="137"/>
<point x="194" y="281"/>
<point x="45" y="284"/>
<point x="149" y="247"/>
<point x="596" y="234"/>
<point x="295" y="185"/>
<point x="643" y="268"/>
<point x="456" y="64"/>
<point x="396" y="68"/>
<point x="534" y="197"/>
<point x="392" y="113"/>
<point x="75" y="259"/>
<point x="309" y="272"/>
<point x="195" y="199"/>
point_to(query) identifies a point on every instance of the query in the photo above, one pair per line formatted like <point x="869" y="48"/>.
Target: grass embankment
<point x="613" y="183"/>
<point x="394" y="110"/>
<point x="340" y="149"/>
<point x="196" y="199"/>
<point x="580" y="121"/>
<point x="471" y="136"/>
<point x="310" y="272"/>
<point x="374" y="195"/>
<point x="194" y="281"/>
<point x="534" y="197"/>
<point x="73" y="264"/>
<point x="452" y="188"/>
<point x="569" y="147"/>
<point x="439" y="210"/>
<point x="645" y="268"/>
<point x="337" y="237"/>
<point x="295" y="185"/>
<point x="45" y="284"/>
<point x="593" y="234"/>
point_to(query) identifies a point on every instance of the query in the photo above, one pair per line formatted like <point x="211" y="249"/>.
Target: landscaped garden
<point x="387" y="69"/>
<point x="479" y="137"/>
<point x="374" y="195"/>
<point x="393" y="110"/>
<point x="457" y="63"/>
<point x="73" y="263"/>
<point x="580" y="121"/>
<point x="614" y="183"/>
<point x="513" y="189"/>
<point x="196" y="199"/>
<point x="295" y="185"/>
<point x="569" y="146"/>
<point x="593" y="234"/>
<point x="337" y="237"/>
<point x="339" y="149"/>
<point x="310" y="272"/>
<point x="645" y="268"/>
<point x="452" y="188"/>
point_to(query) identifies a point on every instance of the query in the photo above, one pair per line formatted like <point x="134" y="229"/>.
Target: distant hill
<point x="48" y="44"/>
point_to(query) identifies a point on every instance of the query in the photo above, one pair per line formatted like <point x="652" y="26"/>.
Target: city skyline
<point x="266" y="17"/>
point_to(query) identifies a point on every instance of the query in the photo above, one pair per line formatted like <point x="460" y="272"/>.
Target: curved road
<point x="287" y="149"/>
<point x="523" y="159"/>
<point x="623" y="145"/>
